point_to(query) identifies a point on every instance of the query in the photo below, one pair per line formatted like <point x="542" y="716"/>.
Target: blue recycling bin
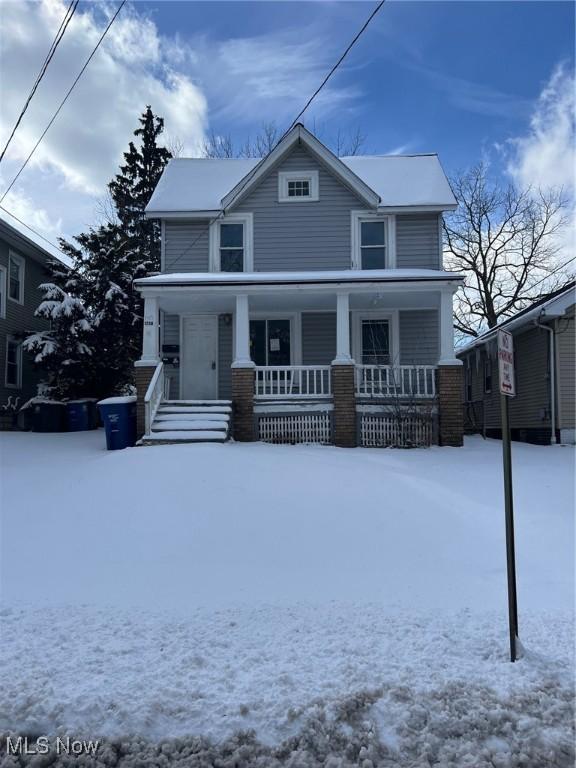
<point x="81" y="415"/>
<point x="119" y="418"/>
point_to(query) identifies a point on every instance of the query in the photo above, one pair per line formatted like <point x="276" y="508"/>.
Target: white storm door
<point x="199" y="363"/>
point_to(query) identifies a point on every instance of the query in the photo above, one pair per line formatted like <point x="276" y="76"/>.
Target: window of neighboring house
<point x="468" y="382"/>
<point x="297" y="186"/>
<point x="2" y="292"/>
<point x="13" y="362"/>
<point x="270" y="342"/>
<point x="16" y="277"/>
<point x="232" y="247"/>
<point x="488" y="375"/>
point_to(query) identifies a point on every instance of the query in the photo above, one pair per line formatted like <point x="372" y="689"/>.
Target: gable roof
<point x="209" y="185"/>
<point x="552" y="305"/>
<point x="28" y="245"/>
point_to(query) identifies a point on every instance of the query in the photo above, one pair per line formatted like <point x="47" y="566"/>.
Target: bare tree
<point x="344" y="143"/>
<point x="505" y="241"/>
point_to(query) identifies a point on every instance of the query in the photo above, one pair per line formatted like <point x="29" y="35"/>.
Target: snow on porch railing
<point x="153" y="396"/>
<point x="416" y="381"/>
<point x="292" y="381"/>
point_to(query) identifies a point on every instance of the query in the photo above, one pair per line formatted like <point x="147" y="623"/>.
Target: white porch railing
<point x="153" y="396"/>
<point x="416" y="381"/>
<point x="292" y="381"/>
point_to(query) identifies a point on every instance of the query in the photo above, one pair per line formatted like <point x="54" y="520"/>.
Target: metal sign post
<point x="508" y="389"/>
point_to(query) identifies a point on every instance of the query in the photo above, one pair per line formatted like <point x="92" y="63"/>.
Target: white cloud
<point x="128" y="72"/>
<point x="545" y="157"/>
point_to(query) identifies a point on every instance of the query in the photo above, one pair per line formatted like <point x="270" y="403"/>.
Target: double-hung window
<point x="231" y="243"/>
<point x="373" y="241"/>
<point x="232" y="247"/>
<point x="373" y="244"/>
<point x="13" y="362"/>
<point x="16" y="278"/>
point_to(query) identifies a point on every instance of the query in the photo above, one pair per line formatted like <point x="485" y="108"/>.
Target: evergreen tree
<point x="63" y="353"/>
<point x="110" y="257"/>
<point x="132" y="188"/>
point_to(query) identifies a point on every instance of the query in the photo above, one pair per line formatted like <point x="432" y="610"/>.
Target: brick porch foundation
<point x="449" y="384"/>
<point x="142" y="378"/>
<point x="243" y="404"/>
<point x="344" y="406"/>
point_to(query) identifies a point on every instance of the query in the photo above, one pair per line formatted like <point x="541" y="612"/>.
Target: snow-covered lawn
<point x="332" y="600"/>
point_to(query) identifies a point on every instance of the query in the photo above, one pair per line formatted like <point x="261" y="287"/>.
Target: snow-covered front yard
<point x="344" y="604"/>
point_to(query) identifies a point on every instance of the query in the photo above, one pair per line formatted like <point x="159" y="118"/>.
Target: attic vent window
<point x="297" y="186"/>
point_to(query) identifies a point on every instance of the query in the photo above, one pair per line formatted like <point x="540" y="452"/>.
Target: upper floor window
<point x="231" y="244"/>
<point x="13" y="362"/>
<point x="232" y="247"/>
<point x="297" y="186"/>
<point x="372" y="241"/>
<point x="16" y="277"/>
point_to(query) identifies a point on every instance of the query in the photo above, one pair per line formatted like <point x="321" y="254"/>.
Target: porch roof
<point x="349" y="279"/>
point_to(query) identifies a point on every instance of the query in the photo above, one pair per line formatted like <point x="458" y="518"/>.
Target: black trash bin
<point x="81" y="414"/>
<point x="119" y="417"/>
<point x="48" y="416"/>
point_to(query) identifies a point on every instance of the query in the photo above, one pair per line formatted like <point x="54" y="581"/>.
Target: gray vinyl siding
<point x="318" y="338"/>
<point x="417" y="241"/>
<point x="530" y="409"/>
<point x="20" y="318"/>
<point x="224" y="357"/>
<point x="306" y="236"/>
<point x="301" y="236"/>
<point x="566" y="365"/>
<point x="186" y="246"/>
<point x="419" y="337"/>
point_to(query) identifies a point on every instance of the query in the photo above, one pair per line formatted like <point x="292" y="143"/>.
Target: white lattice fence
<point x="295" y="428"/>
<point x="384" y="430"/>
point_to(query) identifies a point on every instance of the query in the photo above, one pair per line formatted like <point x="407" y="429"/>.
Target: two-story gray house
<point x="303" y="297"/>
<point x="22" y="270"/>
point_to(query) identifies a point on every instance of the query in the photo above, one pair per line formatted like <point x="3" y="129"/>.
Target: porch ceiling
<point x="295" y="301"/>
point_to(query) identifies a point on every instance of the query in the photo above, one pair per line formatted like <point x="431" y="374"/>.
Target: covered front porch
<point x="298" y="354"/>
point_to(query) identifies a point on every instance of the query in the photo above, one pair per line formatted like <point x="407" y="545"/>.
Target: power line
<point x="64" y="100"/>
<point x="554" y="271"/>
<point x="292" y="124"/>
<point x="52" y="50"/>
<point x="33" y="230"/>
<point x="340" y="60"/>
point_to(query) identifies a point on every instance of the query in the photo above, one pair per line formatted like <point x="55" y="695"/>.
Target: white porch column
<point x="447" y="356"/>
<point x="242" y="333"/>
<point x="343" y="355"/>
<point x="150" y="333"/>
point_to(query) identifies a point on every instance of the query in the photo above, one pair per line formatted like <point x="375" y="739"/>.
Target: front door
<point x="199" y="370"/>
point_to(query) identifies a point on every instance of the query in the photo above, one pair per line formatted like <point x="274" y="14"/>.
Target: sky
<point x="473" y="81"/>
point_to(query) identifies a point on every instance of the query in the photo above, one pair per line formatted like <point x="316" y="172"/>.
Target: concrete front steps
<point x="190" y="421"/>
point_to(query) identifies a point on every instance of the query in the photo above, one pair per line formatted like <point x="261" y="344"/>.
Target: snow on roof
<point x="199" y="184"/>
<point x="553" y="305"/>
<point x="328" y="276"/>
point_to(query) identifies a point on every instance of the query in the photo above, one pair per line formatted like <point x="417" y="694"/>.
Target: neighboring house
<point x="545" y="364"/>
<point x="22" y="270"/>
<point x="305" y="291"/>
